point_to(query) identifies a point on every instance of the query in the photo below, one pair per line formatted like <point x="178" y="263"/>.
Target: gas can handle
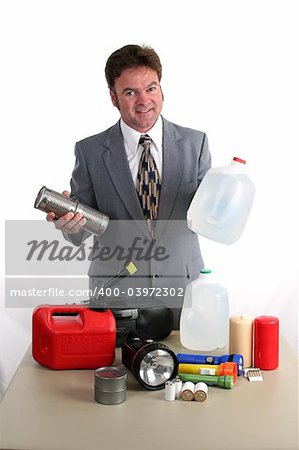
<point x="65" y="310"/>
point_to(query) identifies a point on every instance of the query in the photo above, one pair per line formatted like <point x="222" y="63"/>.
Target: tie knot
<point x="145" y="141"/>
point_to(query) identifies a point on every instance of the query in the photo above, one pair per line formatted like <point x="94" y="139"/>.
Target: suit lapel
<point x="115" y="159"/>
<point x="171" y="174"/>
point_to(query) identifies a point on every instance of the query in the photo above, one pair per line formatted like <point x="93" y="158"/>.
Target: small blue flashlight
<point x="207" y="359"/>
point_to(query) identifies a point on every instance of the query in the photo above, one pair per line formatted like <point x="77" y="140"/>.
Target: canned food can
<point x="110" y="385"/>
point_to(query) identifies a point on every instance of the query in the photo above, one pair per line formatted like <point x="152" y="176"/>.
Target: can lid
<point x="110" y="372"/>
<point x="206" y="271"/>
<point x="242" y="161"/>
<point x="40" y="197"/>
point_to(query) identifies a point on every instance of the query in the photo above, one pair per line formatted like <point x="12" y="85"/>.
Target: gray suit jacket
<point x="102" y="179"/>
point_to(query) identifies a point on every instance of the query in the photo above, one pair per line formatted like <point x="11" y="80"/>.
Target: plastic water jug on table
<point x="205" y="314"/>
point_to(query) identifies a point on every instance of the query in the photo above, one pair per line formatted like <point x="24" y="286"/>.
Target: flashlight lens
<point x="156" y="367"/>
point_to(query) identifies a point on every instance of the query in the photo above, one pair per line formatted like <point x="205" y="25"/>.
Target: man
<point x="142" y="172"/>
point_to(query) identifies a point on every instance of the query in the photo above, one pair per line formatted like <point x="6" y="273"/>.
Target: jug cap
<point x="239" y="160"/>
<point x="205" y="271"/>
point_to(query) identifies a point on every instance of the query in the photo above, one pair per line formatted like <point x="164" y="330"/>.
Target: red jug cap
<point x="239" y="160"/>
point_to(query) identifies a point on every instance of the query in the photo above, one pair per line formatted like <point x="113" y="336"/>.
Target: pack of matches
<point x="253" y="374"/>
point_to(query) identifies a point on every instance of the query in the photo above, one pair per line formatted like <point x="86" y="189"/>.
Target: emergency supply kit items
<point x="86" y="336"/>
<point x="257" y="340"/>
<point x="188" y="391"/>
<point x="73" y="337"/>
<point x="258" y="337"/>
<point x="77" y="336"/>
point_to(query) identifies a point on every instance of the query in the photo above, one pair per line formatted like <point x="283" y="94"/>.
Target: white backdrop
<point x="230" y="69"/>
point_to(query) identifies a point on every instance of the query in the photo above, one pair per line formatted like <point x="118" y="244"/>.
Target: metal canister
<point x="110" y="385"/>
<point x="48" y="200"/>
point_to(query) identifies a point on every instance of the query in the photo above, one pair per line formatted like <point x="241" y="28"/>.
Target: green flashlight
<point x="225" y="381"/>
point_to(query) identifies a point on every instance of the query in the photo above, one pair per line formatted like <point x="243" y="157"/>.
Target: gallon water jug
<point x="222" y="203"/>
<point x="205" y="314"/>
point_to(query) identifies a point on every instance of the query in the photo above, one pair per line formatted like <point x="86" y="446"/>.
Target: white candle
<point x="240" y="337"/>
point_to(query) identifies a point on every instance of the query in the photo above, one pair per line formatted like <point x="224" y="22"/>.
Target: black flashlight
<point x="152" y="363"/>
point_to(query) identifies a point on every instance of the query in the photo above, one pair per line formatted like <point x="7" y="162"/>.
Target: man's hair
<point x="128" y="57"/>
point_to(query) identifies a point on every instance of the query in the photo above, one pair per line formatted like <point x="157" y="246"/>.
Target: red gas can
<point x="73" y="337"/>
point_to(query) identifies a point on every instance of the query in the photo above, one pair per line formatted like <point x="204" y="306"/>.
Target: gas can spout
<point x="99" y="301"/>
<point x="125" y="271"/>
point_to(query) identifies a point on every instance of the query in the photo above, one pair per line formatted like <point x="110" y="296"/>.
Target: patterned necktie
<point x="148" y="182"/>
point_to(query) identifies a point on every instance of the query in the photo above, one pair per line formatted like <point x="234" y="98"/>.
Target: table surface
<point x="48" y="410"/>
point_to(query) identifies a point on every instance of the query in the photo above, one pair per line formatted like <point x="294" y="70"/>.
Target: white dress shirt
<point x="134" y="150"/>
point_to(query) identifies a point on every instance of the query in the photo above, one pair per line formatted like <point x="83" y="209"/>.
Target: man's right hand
<point x="69" y="223"/>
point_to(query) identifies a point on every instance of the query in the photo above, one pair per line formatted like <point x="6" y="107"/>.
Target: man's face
<point x="138" y="96"/>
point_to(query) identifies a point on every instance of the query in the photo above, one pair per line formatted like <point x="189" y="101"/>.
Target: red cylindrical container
<point x="266" y="342"/>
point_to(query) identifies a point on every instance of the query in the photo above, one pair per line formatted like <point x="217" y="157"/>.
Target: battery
<point x="187" y="391"/>
<point x="170" y="391"/>
<point x="178" y="387"/>
<point x="200" y="392"/>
